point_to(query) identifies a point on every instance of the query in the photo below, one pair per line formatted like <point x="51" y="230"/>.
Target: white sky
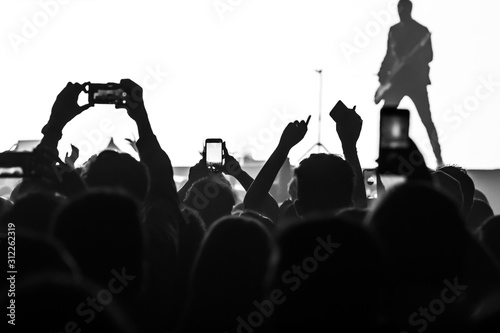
<point x="230" y="74"/>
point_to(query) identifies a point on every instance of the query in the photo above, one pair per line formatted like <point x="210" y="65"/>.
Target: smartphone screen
<point x="394" y="128"/>
<point x="107" y="93"/>
<point x="213" y="152"/>
<point x="107" y="96"/>
<point x="394" y="139"/>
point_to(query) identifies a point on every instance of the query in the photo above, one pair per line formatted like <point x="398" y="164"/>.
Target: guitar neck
<point x="419" y="46"/>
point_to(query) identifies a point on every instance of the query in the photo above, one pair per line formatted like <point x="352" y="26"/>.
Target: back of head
<point x="56" y="302"/>
<point x="427" y="246"/>
<point x="38" y="254"/>
<point x="28" y="186"/>
<point x="330" y="272"/>
<point x="228" y="274"/>
<point x="117" y="170"/>
<point x="353" y="214"/>
<point x="33" y="212"/>
<point x="413" y="214"/>
<point x="324" y="182"/>
<point x="466" y="184"/>
<point x="102" y="231"/>
<point x="211" y="197"/>
<point x="450" y="186"/>
<point x="264" y="220"/>
<point x="191" y="232"/>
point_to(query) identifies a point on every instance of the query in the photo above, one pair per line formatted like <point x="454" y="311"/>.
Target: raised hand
<point x="132" y="144"/>
<point x="349" y="128"/>
<point x="66" y="107"/>
<point x="231" y="165"/>
<point x="134" y="102"/>
<point x="294" y="133"/>
<point x="198" y="171"/>
<point x="71" y="159"/>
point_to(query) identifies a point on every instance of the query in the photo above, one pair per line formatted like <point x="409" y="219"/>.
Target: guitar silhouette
<point x="387" y="84"/>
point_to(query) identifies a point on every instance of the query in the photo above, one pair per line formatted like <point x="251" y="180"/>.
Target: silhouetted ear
<point x="298" y="207"/>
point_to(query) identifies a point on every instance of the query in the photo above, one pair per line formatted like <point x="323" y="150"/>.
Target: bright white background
<point x="229" y="72"/>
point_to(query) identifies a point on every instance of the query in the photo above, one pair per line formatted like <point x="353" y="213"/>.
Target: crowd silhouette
<point x="114" y="246"/>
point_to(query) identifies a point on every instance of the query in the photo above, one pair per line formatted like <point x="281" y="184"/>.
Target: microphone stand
<point x="318" y="144"/>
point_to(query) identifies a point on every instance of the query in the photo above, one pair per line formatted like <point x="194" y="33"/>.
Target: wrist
<point x="283" y="148"/>
<point x="143" y="125"/>
<point x="139" y="115"/>
<point x="349" y="147"/>
<point x="52" y="129"/>
<point x="238" y="173"/>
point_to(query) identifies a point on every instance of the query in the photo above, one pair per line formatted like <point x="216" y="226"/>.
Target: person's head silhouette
<point x="404" y="10"/>
<point x="324" y="183"/>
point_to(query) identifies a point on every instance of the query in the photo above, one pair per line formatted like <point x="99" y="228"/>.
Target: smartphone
<point x="394" y="139"/>
<point x="394" y="128"/>
<point x="370" y="179"/>
<point x="214" y="153"/>
<point x="338" y="111"/>
<point x="106" y="93"/>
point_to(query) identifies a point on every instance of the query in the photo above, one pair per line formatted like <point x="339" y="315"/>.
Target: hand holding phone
<point x="394" y="128"/>
<point x="65" y="107"/>
<point x="339" y="111"/>
<point x="394" y="139"/>
<point x="349" y="124"/>
<point x="213" y="154"/>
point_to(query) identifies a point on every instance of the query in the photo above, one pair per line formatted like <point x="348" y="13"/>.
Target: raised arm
<point x="348" y="130"/>
<point x="197" y="171"/>
<point x="162" y="185"/>
<point x="162" y="217"/>
<point x="268" y="206"/>
<point x="293" y="134"/>
<point x="64" y="109"/>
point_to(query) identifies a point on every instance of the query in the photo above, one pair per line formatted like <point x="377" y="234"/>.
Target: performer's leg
<point x="420" y="98"/>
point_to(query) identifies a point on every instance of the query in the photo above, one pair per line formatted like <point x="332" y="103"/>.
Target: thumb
<point x="85" y="107"/>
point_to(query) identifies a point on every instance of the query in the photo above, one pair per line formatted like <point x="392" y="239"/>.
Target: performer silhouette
<point x="405" y="69"/>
